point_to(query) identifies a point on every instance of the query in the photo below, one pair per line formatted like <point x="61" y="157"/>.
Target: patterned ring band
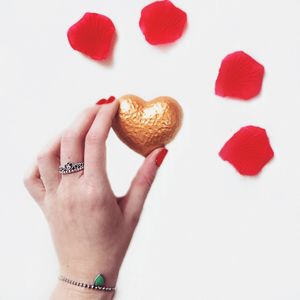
<point x="69" y="168"/>
<point x="98" y="284"/>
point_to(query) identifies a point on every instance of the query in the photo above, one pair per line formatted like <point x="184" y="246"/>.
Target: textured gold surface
<point x="145" y="126"/>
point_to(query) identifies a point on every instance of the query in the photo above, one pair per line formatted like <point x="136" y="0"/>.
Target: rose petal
<point x="93" y="35"/>
<point x="248" y="150"/>
<point x="162" y="22"/>
<point x="240" y="76"/>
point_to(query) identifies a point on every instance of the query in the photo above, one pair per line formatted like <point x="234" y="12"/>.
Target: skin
<point x="91" y="228"/>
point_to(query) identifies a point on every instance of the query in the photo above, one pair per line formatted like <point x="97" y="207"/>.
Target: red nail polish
<point x="111" y="99"/>
<point x="101" y="101"/>
<point x="106" y="101"/>
<point x="161" y="156"/>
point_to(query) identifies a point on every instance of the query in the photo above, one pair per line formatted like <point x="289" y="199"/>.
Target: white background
<point x="207" y="233"/>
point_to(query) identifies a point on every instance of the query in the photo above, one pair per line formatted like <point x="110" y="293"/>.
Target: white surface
<point x="206" y="233"/>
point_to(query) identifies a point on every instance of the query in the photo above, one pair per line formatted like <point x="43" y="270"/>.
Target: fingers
<point x="72" y="142"/>
<point x="70" y="147"/>
<point x="34" y="184"/>
<point x="132" y="204"/>
<point x="48" y="164"/>
<point x="95" y="150"/>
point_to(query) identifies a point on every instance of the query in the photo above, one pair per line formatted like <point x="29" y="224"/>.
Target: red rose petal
<point x="162" y="22"/>
<point x="240" y="76"/>
<point x="93" y="35"/>
<point x="248" y="150"/>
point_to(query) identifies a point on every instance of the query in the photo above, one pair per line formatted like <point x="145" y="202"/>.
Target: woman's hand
<point x="91" y="227"/>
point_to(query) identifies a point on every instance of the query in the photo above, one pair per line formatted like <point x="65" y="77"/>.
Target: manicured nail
<point x="106" y="101"/>
<point x="101" y="101"/>
<point x="161" y="156"/>
<point x="111" y="99"/>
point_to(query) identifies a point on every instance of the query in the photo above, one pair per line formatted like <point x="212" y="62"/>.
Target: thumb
<point x="132" y="204"/>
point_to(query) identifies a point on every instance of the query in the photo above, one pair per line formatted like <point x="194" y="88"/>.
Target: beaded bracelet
<point x="99" y="283"/>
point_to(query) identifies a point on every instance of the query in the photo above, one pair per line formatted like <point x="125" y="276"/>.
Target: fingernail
<point x="106" y="101"/>
<point x="161" y="156"/>
<point x="101" y="101"/>
<point x="111" y="99"/>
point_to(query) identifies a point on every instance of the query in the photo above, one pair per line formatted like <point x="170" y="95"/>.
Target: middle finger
<point x="72" y="141"/>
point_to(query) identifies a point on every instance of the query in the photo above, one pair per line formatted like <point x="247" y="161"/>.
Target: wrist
<point x="65" y="291"/>
<point x="85" y="273"/>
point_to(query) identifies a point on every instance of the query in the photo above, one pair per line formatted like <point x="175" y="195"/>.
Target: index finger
<point x="95" y="149"/>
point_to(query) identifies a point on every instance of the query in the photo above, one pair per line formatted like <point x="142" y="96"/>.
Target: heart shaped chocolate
<point x="144" y="126"/>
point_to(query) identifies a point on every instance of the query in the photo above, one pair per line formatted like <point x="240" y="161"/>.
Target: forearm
<point x="65" y="291"/>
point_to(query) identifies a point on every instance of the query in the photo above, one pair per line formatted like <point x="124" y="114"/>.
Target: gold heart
<point x="144" y="126"/>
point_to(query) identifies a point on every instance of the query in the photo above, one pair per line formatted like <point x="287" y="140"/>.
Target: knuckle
<point x="66" y="201"/>
<point x="145" y="180"/>
<point x="101" y="139"/>
<point x="90" y="191"/>
<point x="84" y="200"/>
<point x="95" y="205"/>
<point x="69" y="135"/>
<point x="148" y="181"/>
<point x="88" y="111"/>
<point x="95" y="199"/>
<point x="43" y="156"/>
<point x="102" y="136"/>
<point x="92" y="138"/>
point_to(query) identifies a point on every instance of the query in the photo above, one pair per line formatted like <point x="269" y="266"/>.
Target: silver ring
<point x="69" y="168"/>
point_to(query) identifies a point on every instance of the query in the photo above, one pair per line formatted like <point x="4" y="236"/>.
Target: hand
<point x="91" y="228"/>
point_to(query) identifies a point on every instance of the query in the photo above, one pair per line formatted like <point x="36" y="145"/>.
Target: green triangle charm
<point x="99" y="280"/>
